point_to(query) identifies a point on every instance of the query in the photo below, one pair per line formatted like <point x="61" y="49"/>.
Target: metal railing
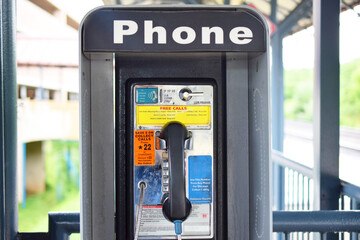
<point x="298" y="183"/>
<point x="305" y="223"/>
<point x="292" y="224"/>
<point x="349" y="200"/>
<point x="61" y="226"/>
<point x="298" y="187"/>
<point x="350" y="197"/>
<point x="298" y="195"/>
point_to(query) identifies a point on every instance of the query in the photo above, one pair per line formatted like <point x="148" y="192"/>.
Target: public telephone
<point x="175" y="123"/>
<point x="173" y="155"/>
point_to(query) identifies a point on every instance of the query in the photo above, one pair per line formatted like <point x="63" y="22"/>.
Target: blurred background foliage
<point x="299" y="91"/>
<point x="62" y="187"/>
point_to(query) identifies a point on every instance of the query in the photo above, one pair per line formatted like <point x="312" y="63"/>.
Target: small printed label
<point x="200" y="179"/>
<point x="153" y="222"/>
<point x="160" y="115"/>
<point x="144" y="147"/>
<point x="146" y="95"/>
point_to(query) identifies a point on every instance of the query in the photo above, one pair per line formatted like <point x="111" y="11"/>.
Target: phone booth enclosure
<point x="131" y="91"/>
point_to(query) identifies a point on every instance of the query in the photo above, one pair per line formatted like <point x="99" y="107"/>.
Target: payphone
<point x="174" y="123"/>
<point x="173" y="157"/>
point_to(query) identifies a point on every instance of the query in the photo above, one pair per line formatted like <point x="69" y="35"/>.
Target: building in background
<point x="48" y="83"/>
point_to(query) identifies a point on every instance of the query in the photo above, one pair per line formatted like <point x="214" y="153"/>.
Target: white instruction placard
<point x="153" y="222"/>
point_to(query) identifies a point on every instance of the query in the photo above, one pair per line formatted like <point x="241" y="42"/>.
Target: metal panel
<point x="259" y="148"/>
<point x="102" y="147"/>
<point x="237" y="146"/>
<point x="326" y="104"/>
<point x="9" y="118"/>
<point x="85" y="149"/>
<point x="97" y="188"/>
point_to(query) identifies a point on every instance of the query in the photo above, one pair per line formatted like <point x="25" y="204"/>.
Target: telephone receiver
<point x="176" y="205"/>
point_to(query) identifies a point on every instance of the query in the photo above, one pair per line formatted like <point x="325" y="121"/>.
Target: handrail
<point x="280" y="159"/>
<point x="350" y="190"/>
<point x="316" y="221"/>
<point x="62" y="225"/>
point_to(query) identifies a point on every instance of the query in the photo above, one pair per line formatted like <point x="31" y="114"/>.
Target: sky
<point x="298" y="49"/>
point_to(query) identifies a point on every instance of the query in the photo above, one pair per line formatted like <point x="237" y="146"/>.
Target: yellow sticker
<point x="160" y="115"/>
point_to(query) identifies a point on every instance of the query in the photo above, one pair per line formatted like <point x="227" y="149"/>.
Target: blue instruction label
<point x="146" y="95"/>
<point x="200" y="179"/>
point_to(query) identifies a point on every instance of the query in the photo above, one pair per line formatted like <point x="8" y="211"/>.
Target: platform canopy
<point x="291" y="15"/>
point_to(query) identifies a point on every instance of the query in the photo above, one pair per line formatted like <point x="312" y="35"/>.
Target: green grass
<point x="34" y="218"/>
<point x="75" y="236"/>
<point x="62" y="190"/>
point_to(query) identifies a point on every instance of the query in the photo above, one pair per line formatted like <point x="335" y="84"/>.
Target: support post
<point x="9" y="216"/>
<point x="24" y="176"/>
<point x="277" y="92"/>
<point x="2" y="160"/>
<point x="273" y="11"/>
<point x="277" y="114"/>
<point x="326" y="105"/>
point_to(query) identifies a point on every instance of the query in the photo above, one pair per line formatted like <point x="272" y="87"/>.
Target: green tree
<point x="299" y="94"/>
<point x="350" y="94"/>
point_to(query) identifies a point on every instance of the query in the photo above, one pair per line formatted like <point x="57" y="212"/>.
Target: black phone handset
<point x="176" y="207"/>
